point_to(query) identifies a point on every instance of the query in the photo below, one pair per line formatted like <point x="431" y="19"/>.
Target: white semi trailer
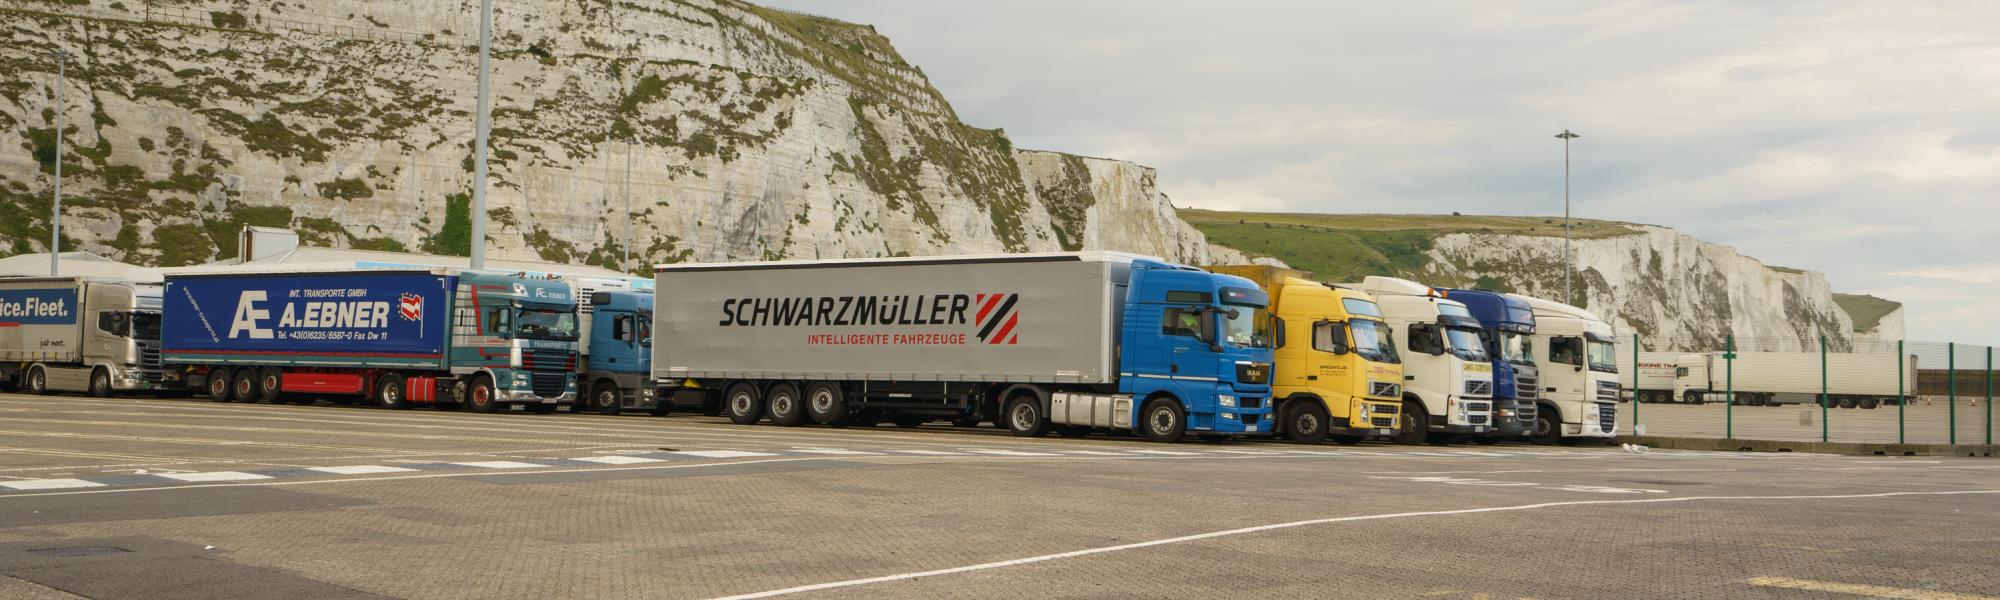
<point x="74" y="334"/>
<point x="1654" y="379"/>
<point x="1851" y="380"/>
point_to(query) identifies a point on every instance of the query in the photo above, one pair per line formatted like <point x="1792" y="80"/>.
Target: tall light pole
<point x="1568" y="267"/>
<point x="55" y="215"/>
<point x="627" y="261"/>
<point x="479" y="138"/>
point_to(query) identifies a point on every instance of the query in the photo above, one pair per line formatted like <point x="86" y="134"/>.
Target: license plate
<point x="1479" y="429"/>
<point x="1385" y="432"/>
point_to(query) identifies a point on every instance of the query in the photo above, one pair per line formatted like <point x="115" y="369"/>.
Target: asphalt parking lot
<point x="142" y="498"/>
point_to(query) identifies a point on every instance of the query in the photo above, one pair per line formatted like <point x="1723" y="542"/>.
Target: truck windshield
<point x="1465" y="343"/>
<point x="1515" y="348"/>
<point x="646" y="329"/>
<point x="544" y="324"/>
<point x="1243" y="328"/>
<point x="1371" y="341"/>
<point x="1603" y="357"/>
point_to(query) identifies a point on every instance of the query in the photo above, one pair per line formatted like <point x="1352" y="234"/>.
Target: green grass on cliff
<point x="1866" y="311"/>
<point x="1349" y="247"/>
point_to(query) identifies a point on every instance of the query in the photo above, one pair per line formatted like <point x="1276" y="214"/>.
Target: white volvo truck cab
<point x="1447" y="375"/>
<point x="1577" y="357"/>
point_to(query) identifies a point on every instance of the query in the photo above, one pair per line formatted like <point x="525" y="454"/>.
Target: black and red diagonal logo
<point x="997" y="318"/>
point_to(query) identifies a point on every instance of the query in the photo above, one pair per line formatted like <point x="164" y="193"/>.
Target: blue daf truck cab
<point x="1201" y="337"/>
<point x="1508" y="326"/>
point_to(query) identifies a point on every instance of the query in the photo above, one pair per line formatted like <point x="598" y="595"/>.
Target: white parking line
<point x="213" y="476"/>
<point x="928" y="452"/>
<point x="724" y="453"/>
<point x="49" y="484"/>
<point x="1094" y="453"/>
<point x="500" y="464"/>
<point x="1167" y="452"/>
<point x="835" y="452"/>
<point x="614" y="459"/>
<point x="1010" y="453"/>
<point x="360" y="469"/>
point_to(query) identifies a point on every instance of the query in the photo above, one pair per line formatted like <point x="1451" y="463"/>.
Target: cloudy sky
<point x="1861" y="139"/>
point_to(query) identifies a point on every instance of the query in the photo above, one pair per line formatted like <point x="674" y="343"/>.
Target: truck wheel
<point x="660" y="407"/>
<point x="38" y="382"/>
<point x="389" y="392"/>
<point x="218" y="384"/>
<point x="604" y="398"/>
<point x="1849" y="402"/>
<point x="742" y="404"/>
<point x="100" y="382"/>
<point x="1163" y="421"/>
<point x="480" y="396"/>
<point x="1307" y="423"/>
<point x="911" y="421"/>
<point x="1548" y="428"/>
<point x="243" y="386"/>
<point x="1869" y="403"/>
<point x="1416" y="423"/>
<point x="785" y="407"/>
<point x="1024" y="417"/>
<point x="269" y="386"/>
<point x="826" y="404"/>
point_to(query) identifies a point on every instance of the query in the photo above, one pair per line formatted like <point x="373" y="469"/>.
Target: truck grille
<point x="149" y="362"/>
<point x="1607" y="391"/>
<point x="1253" y="373"/>
<point x="1476" y="419"/>
<point x="548" y="360"/>
<point x="1250" y="403"/>
<point x="1478" y="388"/>
<point x="1525" y="411"/>
<point x="1387" y="409"/>
<point x="1478" y="407"/>
<point x="1382" y="421"/>
<point x="1607" y="417"/>
<point x="549" y="385"/>
<point x="1527" y="387"/>
<point x="1385" y="389"/>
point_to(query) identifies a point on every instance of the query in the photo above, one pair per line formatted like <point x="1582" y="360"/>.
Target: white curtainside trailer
<point x="1849" y="380"/>
<point x="1653" y="381"/>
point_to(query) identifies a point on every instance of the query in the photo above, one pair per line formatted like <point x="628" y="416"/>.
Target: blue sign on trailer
<point x="49" y="306"/>
<point x="370" y="318"/>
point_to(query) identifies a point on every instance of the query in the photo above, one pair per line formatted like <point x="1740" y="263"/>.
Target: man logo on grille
<point x="411" y="307"/>
<point x="996" y="318"/>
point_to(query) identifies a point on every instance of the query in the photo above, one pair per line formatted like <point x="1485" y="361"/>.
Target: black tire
<point x="543" y="409"/>
<point x="1163" y="420"/>
<point x="826" y="403"/>
<point x="38" y="382"/>
<point x="910" y="421"/>
<point x="389" y="392"/>
<point x="480" y="397"/>
<point x="1415" y="424"/>
<point x="603" y="399"/>
<point x="660" y="408"/>
<point x="1307" y="422"/>
<point x="243" y="385"/>
<point x="1869" y="403"/>
<point x="1849" y="402"/>
<point x="218" y="384"/>
<point x="742" y="404"/>
<point x="1548" y="428"/>
<point x="270" y="385"/>
<point x="100" y="382"/>
<point x="1023" y="416"/>
<point x="786" y="407"/>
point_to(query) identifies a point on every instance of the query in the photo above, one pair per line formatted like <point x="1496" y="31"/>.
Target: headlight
<point x="1226" y="401"/>
<point x="1506" y="412"/>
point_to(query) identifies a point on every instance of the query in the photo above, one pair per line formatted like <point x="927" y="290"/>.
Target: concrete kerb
<point x="1853" y="448"/>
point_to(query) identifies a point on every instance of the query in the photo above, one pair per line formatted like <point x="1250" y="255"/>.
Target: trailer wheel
<point x="269" y="384"/>
<point x="1415" y="423"/>
<point x="100" y="382"/>
<point x="784" y="405"/>
<point x="1548" y="428"/>
<point x="218" y="384"/>
<point x="826" y="403"/>
<point x="1024" y="416"/>
<point x="1163" y="420"/>
<point x="1849" y="402"/>
<point x="243" y="385"/>
<point x="742" y="404"/>
<point x="389" y="392"/>
<point x="480" y="396"/>
<point x="1869" y="403"/>
<point x="1307" y="423"/>
<point x="604" y="398"/>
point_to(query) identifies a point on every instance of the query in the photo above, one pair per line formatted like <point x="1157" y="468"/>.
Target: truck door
<point x="1188" y="330"/>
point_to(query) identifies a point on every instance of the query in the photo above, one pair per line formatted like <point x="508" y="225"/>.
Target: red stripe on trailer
<point x="10" y="324"/>
<point x="1014" y="340"/>
<point x="1006" y="329"/>
<point x="323" y="383"/>
<point x="991" y="301"/>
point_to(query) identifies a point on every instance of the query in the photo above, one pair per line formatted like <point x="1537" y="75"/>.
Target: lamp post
<point x="483" y="125"/>
<point x="55" y="214"/>
<point x="1568" y="267"/>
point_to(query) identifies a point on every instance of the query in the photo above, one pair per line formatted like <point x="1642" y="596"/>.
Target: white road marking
<point x="1009" y="452"/>
<point x="835" y="452"/>
<point x="928" y="452"/>
<point x="1858" y="589"/>
<point x="212" y="476"/>
<point x="360" y="469"/>
<point x="49" y="484"/>
<point x="1295" y="524"/>
<point x="500" y="464"/>
<point x="724" y="453"/>
<point x="1093" y="453"/>
<point x="616" y="459"/>
<point x="1166" y="452"/>
<point x="1250" y="452"/>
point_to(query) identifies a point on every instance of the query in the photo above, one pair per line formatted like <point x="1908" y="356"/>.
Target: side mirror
<point x="1277" y="332"/>
<point x="1207" y="333"/>
<point x="1339" y="336"/>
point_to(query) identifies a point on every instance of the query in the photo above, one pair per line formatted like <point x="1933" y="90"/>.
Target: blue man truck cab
<point x="617" y="347"/>
<point x="1037" y="343"/>
<point x="1508" y="325"/>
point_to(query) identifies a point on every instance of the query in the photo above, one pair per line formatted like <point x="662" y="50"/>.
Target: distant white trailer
<point x="1851" y="380"/>
<point x="1653" y="381"/>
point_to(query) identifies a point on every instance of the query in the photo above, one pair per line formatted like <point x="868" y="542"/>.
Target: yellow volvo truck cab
<point x="1336" y="373"/>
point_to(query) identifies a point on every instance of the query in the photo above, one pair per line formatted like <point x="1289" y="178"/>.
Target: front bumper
<point x="1371" y="416"/>
<point x="529" y="397"/>
<point x="1594" y="422"/>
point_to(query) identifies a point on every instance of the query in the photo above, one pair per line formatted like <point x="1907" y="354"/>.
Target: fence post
<point x="1825" y="398"/>
<point x="1902" y="399"/>
<point x="1951" y="397"/>
<point x="1635" y="383"/>
<point x="1729" y="408"/>
<point x="1989" y="395"/>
